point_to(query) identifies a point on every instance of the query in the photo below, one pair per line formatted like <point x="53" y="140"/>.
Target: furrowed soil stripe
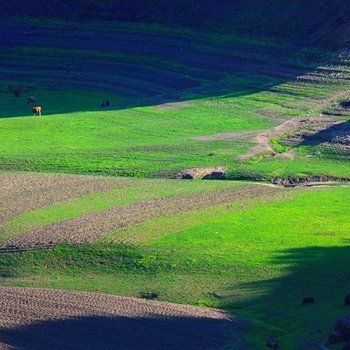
<point x="88" y="228"/>
<point x="24" y="192"/>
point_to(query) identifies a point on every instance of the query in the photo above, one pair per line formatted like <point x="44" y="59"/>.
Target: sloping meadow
<point x="175" y="97"/>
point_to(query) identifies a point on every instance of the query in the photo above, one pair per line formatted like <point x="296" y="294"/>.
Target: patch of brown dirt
<point x="20" y="192"/>
<point x="173" y="105"/>
<point x="286" y="155"/>
<point x="235" y="135"/>
<point x="55" y="319"/>
<point x="88" y="228"/>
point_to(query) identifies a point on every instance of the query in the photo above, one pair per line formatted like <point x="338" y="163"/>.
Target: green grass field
<point x="180" y="99"/>
<point x="160" y="102"/>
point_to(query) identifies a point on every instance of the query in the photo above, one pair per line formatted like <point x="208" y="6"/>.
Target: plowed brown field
<point x="54" y="319"/>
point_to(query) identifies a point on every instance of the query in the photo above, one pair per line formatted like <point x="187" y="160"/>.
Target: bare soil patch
<point x="235" y="135"/>
<point x="88" y="228"/>
<point x="286" y="155"/>
<point x="173" y="105"/>
<point x="20" y="192"/>
<point x="55" y="319"/>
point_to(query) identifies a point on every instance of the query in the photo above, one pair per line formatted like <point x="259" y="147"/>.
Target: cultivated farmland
<point x="230" y="245"/>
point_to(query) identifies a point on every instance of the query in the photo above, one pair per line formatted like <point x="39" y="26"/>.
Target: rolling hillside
<point x="93" y="198"/>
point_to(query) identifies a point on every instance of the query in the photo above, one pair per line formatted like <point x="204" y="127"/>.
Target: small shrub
<point x="345" y="103"/>
<point x="149" y="295"/>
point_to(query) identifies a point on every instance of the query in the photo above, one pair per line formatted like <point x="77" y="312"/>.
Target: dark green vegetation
<point x="315" y="21"/>
<point x="261" y="93"/>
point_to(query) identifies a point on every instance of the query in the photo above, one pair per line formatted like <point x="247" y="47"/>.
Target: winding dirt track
<point x="262" y="138"/>
<point x="54" y="319"/>
<point x="88" y="228"/>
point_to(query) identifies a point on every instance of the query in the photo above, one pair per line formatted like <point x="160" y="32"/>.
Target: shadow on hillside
<point x="338" y="133"/>
<point x="320" y="272"/>
<point x="141" y="68"/>
<point x="107" y="333"/>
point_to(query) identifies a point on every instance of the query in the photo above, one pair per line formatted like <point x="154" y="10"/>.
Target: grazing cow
<point x="31" y="99"/>
<point x="105" y="103"/>
<point x="37" y="110"/>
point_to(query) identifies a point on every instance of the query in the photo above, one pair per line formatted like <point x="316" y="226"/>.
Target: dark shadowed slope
<point x="314" y="21"/>
<point x="38" y="319"/>
<point x="140" y="64"/>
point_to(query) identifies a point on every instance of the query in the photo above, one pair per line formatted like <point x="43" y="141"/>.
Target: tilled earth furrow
<point x="88" y="228"/>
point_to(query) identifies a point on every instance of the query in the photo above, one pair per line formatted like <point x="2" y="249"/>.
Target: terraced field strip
<point x="94" y="56"/>
<point x="132" y="192"/>
<point x="55" y="319"/>
<point x="27" y="191"/>
<point x="88" y="228"/>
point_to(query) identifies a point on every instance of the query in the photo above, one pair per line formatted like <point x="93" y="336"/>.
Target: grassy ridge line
<point x="258" y="260"/>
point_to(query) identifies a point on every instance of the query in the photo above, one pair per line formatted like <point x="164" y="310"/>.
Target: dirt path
<point x="262" y="138"/>
<point x="54" y="319"/>
<point x="88" y="228"/>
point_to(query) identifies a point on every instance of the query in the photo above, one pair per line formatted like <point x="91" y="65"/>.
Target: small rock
<point x="347" y="299"/>
<point x="308" y="300"/>
<point x="185" y="176"/>
<point x="335" y="338"/>
<point x="272" y="343"/>
<point x="342" y="326"/>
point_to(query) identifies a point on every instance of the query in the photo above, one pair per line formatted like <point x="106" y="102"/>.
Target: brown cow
<point x="37" y="110"/>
